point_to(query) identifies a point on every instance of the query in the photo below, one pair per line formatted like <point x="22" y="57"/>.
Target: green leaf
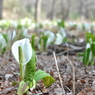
<point x="33" y="38"/>
<point x="39" y="75"/>
<point x="90" y="36"/>
<point x="14" y="83"/>
<point x="93" y="48"/>
<point x="47" y="79"/>
<point x="61" y="23"/>
<point x="92" y="63"/>
<point x="44" y="39"/>
<point x="3" y="50"/>
<point x="30" y="68"/>
<point x="87" y="56"/>
<point x="5" y="37"/>
<point x="80" y="54"/>
<point x="32" y="84"/>
<point x="23" y="87"/>
<point x="80" y="58"/>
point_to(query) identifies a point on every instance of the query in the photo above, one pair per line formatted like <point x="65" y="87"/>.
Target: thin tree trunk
<point x="1" y="8"/>
<point x="53" y="10"/>
<point x="37" y="10"/>
<point x="65" y="10"/>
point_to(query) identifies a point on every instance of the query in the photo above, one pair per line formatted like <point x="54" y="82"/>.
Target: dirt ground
<point x="84" y="75"/>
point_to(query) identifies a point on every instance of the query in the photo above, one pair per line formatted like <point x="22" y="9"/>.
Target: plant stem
<point x="20" y="61"/>
<point x="21" y="76"/>
<point x="41" y="45"/>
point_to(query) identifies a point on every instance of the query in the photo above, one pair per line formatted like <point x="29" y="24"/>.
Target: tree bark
<point x="52" y="16"/>
<point x="37" y="10"/>
<point x="65" y="8"/>
<point x="1" y="8"/>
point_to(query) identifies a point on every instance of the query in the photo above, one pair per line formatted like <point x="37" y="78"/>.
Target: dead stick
<point x="73" y="75"/>
<point x="59" y="74"/>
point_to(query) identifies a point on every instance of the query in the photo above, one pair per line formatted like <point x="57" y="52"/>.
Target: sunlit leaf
<point x="93" y="48"/>
<point x="87" y="56"/>
<point x="47" y="79"/>
<point x="23" y="87"/>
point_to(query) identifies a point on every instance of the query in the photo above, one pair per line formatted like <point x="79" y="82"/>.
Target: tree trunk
<point x="37" y="10"/>
<point x="52" y="14"/>
<point x="1" y="8"/>
<point x="65" y="8"/>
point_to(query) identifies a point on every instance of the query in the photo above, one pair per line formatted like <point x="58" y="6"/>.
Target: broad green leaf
<point x="47" y="79"/>
<point x="87" y="56"/>
<point x="93" y="48"/>
<point x="39" y="75"/>
<point x="30" y="67"/>
<point x="23" y="87"/>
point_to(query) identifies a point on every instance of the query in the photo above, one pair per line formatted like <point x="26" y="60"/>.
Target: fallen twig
<point x="70" y="50"/>
<point x="73" y="74"/>
<point x="59" y="74"/>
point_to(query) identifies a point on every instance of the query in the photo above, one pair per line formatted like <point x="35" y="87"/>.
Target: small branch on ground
<point x="73" y="74"/>
<point x="63" y="91"/>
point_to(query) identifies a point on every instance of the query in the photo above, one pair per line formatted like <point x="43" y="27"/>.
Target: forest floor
<point x="70" y="68"/>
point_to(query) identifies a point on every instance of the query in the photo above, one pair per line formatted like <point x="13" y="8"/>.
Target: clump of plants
<point x="26" y="58"/>
<point x="89" y="53"/>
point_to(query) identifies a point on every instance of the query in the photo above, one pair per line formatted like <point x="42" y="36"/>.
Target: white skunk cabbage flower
<point x="88" y="46"/>
<point x="25" y="32"/>
<point x="59" y="39"/>
<point x="26" y="51"/>
<point x="50" y="35"/>
<point x="2" y="41"/>
<point x="11" y="35"/>
<point x="63" y="32"/>
<point x="26" y="20"/>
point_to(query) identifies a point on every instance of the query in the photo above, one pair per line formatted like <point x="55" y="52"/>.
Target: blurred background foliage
<point x="48" y="9"/>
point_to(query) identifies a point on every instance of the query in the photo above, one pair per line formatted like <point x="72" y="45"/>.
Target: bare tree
<point x="65" y="8"/>
<point x="52" y="12"/>
<point x="37" y="10"/>
<point x="1" y="8"/>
